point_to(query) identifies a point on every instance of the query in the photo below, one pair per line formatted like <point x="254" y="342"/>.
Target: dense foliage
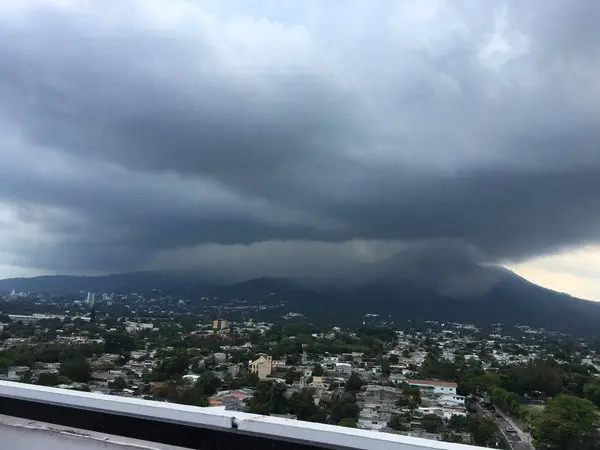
<point x="567" y="423"/>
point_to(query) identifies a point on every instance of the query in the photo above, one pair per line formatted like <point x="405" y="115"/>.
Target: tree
<point x="291" y="376"/>
<point x="507" y="401"/>
<point x="165" y="391"/>
<point x="349" y="422"/>
<point x="192" y="396"/>
<point x="591" y="391"/>
<point x="302" y="404"/>
<point x="385" y="367"/>
<point x="124" y="358"/>
<point x="354" y="383"/>
<point x="343" y="406"/>
<point x="484" y="432"/>
<point x="393" y="359"/>
<point x="52" y="353"/>
<point x="5" y="318"/>
<point x="434" y="367"/>
<point x="275" y="333"/>
<point x="119" y="383"/>
<point x="5" y="363"/>
<point x="118" y="343"/>
<point x="208" y="383"/>
<point x="252" y="379"/>
<point x="458" y="423"/>
<point x="569" y="423"/>
<point x="411" y="397"/>
<point x="292" y="360"/>
<point x="475" y="380"/>
<point x="269" y="398"/>
<point x="172" y="367"/>
<point x="317" y="370"/>
<point x="76" y="370"/>
<point x="48" y="379"/>
<point x="448" y="436"/>
<point x="396" y="423"/>
<point x="545" y="376"/>
<point x="319" y="416"/>
<point x="431" y="423"/>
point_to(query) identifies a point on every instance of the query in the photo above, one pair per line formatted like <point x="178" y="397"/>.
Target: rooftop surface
<point x="87" y="416"/>
<point x="433" y="383"/>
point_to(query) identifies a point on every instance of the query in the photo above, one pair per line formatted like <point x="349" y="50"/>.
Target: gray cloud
<point x="156" y="134"/>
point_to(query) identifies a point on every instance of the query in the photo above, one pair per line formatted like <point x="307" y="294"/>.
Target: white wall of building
<point x="452" y="399"/>
<point x="444" y="390"/>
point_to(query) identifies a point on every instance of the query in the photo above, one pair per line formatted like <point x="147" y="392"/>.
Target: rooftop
<point x="42" y="417"/>
<point x="433" y="383"/>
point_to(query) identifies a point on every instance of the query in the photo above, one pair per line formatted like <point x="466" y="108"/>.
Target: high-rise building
<point x="220" y="324"/>
<point x="12" y="296"/>
<point x="91" y="304"/>
<point x="91" y="299"/>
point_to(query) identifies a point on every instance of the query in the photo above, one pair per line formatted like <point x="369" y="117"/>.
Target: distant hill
<point x="511" y="300"/>
<point x="141" y="282"/>
<point x="506" y="298"/>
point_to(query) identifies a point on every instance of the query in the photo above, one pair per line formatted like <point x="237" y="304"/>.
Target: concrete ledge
<point x="190" y="426"/>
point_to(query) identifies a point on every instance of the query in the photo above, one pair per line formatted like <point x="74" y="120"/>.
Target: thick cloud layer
<point x="168" y="133"/>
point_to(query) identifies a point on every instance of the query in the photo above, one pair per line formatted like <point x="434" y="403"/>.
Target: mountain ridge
<point x="512" y="299"/>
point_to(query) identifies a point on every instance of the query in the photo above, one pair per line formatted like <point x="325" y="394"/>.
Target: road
<point x="517" y="439"/>
<point x="524" y="437"/>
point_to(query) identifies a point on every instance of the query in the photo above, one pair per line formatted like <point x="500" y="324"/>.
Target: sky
<point x="244" y="138"/>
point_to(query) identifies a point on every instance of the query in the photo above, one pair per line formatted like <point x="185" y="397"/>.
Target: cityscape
<point x="499" y="386"/>
<point x="299" y="225"/>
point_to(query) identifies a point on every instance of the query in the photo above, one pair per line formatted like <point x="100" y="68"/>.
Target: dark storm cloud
<point x="141" y="128"/>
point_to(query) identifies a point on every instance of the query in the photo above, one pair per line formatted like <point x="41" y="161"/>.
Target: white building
<point x="191" y="378"/>
<point x="33" y="318"/>
<point x="90" y="299"/>
<point x="138" y="326"/>
<point x="397" y="378"/>
<point x="454" y="411"/>
<point x="436" y="387"/>
<point x="343" y="368"/>
<point x="451" y="400"/>
<point x="220" y="357"/>
<point x="444" y="412"/>
<point x="16" y="373"/>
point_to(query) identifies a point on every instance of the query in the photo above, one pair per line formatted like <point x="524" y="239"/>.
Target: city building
<point x="435" y="387"/>
<point x="220" y="324"/>
<point x="451" y="400"/>
<point x="17" y="373"/>
<point x="262" y="366"/>
<point x="137" y="326"/>
<point x="33" y="318"/>
<point x="343" y="368"/>
<point x="91" y="299"/>
<point x="91" y="304"/>
<point x="379" y="405"/>
<point x="231" y="400"/>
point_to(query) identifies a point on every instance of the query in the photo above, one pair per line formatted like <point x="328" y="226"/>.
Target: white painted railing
<point x="307" y="433"/>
